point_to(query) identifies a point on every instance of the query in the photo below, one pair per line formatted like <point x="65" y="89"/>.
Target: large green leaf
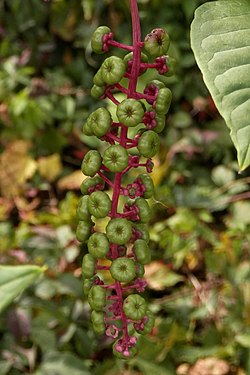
<point x="13" y="281"/>
<point x="220" y="39"/>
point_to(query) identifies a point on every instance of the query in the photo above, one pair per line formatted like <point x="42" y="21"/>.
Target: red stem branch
<point x="131" y="93"/>
<point x="119" y="45"/>
<point x="126" y="143"/>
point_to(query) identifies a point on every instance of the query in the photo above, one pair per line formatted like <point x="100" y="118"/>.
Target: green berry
<point x="157" y="83"/>
<point x="115" y="158"/>
<point x="82" y="209"/>
<point x="97" y="318"/>
<point x="97" y="37"/>
<point x="140" y="270"/>
<point x="87" y="128"/>
<point x="160" y="123"/>
<point x="88" y="266"/>
<point x="98" y="245"/>
<point x="149" y="144"/>
<point x="97" y="91"/>
<point x="144" y="209"/>
<point x="100" y="122"/>
<point x="143" y="229"/>
<point x="129" y="57"/>
<point x="157" y="42"/>
<point x="149" y="325"/>
<point x="131" y="353"/>
<point x="171" y="64"/>
<point x="130" y="112"/>
<point x="83" y="230"/>
<point x="135" y="307"/>
<point x="142" y="252"/>
<point x="89" y="183"/>
<point x="91" y="163"/>
<point x="97" y="298"/>
<point x="112" y="70"/>
<point x="98" y="80"/>
<point x="148" y="184"/>
<point x="163" y="101"/>
<point x="119" y="231"/>
<point x="123" y="269"/>
<point x="87" y="284"/>
<point x="99" y="204"/>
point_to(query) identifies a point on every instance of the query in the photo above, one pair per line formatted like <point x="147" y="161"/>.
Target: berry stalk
<point x="117" y="183"/>
<point x="117" y="310"/>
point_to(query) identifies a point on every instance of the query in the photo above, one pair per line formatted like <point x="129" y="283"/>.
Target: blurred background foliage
<point x="199" y="279"/>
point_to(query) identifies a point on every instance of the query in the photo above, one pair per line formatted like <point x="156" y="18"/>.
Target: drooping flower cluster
<point x="117" y="308"/>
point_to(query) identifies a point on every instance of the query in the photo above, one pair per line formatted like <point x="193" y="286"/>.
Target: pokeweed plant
<point x="117" y="308"/>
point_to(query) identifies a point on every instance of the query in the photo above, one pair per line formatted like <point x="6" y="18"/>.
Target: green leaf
<point x="13" y="281"/>
<point x="4" y="367"/>
<point x="220" y="39"/>
<point x="44" y="338"/>
<point x="191" y="354"/>
<point x="62" y="364"/>
<point x="149" y="368"/>
<point x="159" y="276"/>
<point x="243" y="340"/>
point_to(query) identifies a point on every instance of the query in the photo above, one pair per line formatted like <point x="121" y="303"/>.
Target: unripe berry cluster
<point x="117" y="308"/>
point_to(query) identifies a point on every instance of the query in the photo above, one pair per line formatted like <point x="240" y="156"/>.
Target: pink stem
<point x="127" y="169"/>
<point x="111" y="97"/>
<point x="115" y="124"/>
<point x="144" y="96"/>
<point x="113" y="318"/>
<point x="119" y="45"/>
<point x="131" y="92"/>
<point x="102" y="268"/>
<point x="111" y="286"/>
<point x="112" y="298"/>
<point x="150" y="65"/>
<point x="132" y="286"/>
<point x="128" y="214"/>
<point x="105" y="179"/>
<point x="121" y="88"/>
<point x="136" y="47"/>
<point x="117" y="188"/>
<point x="112" y="136"/>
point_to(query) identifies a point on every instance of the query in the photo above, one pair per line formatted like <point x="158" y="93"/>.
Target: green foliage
<point x="14" y="280"/>
<point x="220" y="40"/>
<point x="198" y="280"/>
<point x="62" y="363"/>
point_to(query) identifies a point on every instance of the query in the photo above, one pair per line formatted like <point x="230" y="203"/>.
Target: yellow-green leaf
<point x="72" y="181"/>
<point x="16" y="167"/>
<point x="50" y="167"/>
